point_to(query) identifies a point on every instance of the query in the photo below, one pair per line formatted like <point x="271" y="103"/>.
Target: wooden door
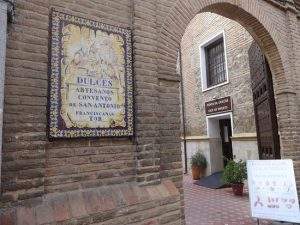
<point x="264" y="105"/>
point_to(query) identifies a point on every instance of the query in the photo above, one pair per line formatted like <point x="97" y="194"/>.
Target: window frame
<point x="203" y="61"/>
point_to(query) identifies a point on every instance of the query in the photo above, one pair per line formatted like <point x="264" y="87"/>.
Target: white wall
<point x="244" y="146"/>
<point x="195" y="144"/>
<point x="3" y="27"/>
<point x="216" y="155"/>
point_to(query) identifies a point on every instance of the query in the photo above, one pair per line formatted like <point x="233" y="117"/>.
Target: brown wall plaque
<point x="220" y="105"/>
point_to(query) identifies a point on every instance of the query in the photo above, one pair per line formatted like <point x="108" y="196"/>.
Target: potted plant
<point x="199" y="164"/>
<point x="235" y="173"/>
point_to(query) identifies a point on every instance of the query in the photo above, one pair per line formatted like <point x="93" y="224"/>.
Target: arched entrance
<point x="258" y="20"/>
<point x="255" y="16"/>
<point x="219" y="59"/>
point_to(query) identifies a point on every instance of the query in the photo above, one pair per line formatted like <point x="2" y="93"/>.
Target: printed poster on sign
<point x="272" y="190"/>
<point x="91" y="85"/>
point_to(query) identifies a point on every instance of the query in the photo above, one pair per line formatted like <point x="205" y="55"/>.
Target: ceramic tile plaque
<point x="91" y="85"/>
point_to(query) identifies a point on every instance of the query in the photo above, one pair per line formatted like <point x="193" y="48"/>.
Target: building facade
<point x="135" y="180"/>
<point x="202" y="129"/>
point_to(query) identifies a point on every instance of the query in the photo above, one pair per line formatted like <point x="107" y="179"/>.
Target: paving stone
<point x="204" y="206"/>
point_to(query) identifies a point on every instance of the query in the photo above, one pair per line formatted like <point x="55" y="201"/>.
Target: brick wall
<point x="108" y="179"/>
<point x="39" y="176"/>
<point x="32" y="165"/>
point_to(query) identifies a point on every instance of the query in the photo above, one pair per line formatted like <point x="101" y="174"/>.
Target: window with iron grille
<point x="215" y="63"/>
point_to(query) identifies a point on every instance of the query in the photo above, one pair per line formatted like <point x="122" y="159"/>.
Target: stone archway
<point x="268" y="30"/>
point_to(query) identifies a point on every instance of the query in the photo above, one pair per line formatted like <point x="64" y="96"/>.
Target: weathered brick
<point x="25" y="216"/>
<point x="92" y="201"/>
<point x="8" y="218"/>
<point x="71" y="165"/>
<point x="77" y="205"/>
<point x="44" y="214"/>
<point x="61" y="208"/>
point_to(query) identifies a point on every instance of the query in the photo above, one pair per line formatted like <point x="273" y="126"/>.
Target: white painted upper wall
<point x="3" y="32"/>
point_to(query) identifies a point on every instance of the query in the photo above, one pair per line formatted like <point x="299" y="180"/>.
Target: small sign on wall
<point x="272" y="190"/>
<point x="220" y="105"/>
<point x="91" y="84"/>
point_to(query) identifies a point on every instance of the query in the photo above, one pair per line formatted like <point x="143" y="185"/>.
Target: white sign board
<point x="272" y="190"/>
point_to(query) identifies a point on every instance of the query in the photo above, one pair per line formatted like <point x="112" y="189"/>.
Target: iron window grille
<point x="215" y="63"/>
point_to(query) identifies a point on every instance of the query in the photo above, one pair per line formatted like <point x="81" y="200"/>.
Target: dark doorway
<point x="264" y="105"/>
<point x="225" y="133"/>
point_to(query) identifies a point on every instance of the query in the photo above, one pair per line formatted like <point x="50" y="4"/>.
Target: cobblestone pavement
<point x="204" y="206"/>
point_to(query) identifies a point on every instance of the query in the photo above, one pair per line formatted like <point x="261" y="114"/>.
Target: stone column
<point x="3" y="31"/>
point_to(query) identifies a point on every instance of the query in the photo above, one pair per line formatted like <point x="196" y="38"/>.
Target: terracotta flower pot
<point x="197" y="172"/>
<point x="238" y="189"/>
